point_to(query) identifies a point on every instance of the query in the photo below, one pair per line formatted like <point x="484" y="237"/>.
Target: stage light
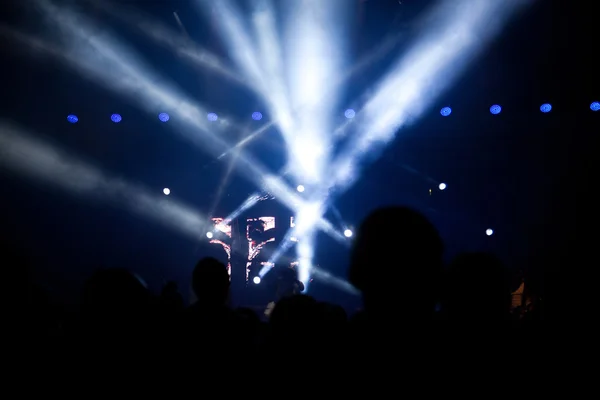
<point x="293" y="239"/>
<point x="545" y="108"/>
<point x="167" y="191"/>
<point x="348" y="233"/>
<point x="595" y="106"/>
<point x="212" y="117"/>
<point x="495" y="109"/>
<point x="256" y="280"/>
<point x="72" y="119"/>
<point x="442" y="186"/>
<point x="256" y="116"/>
<point x="116" y="118"/>
<point x="300" y="188"/>
<point x="209" y="235"/>
<point x="350" y="113"/>
<point x="163" y="117"/>
<point x="446" y="111"/>
<point x="489" y="232"/>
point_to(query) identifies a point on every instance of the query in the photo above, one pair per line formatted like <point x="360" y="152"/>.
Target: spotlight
<point x="256" y="280"/>
<point x="300" y="188"/>
<point x="545" y="108"/>
<point x="442" y="186"/>
<point x="489" y="232"/>
<point x="350" y="113"/>
<point x="72" y="119"/>
<point x="209" y="235"/>
<point x="167" y="191"/>
<point x="163" y="117"/>
<point x="446" y="111"/>
<point x="495" y="109"/>
<point x="294" y="239"/>
<point x="256" y="116"/>
<point x="595" y="106"/>
<point x="116" y="118"/>
<point x="212" y="117"/>
<point x="348" y="233"/>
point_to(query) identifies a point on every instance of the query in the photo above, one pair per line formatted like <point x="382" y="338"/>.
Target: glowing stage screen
<point x="226" y="229"/>
<point x="259" y="233"/>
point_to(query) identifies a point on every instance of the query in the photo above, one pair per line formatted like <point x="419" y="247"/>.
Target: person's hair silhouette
<point x="397" y="264"/>
<point x="210" y="282"/>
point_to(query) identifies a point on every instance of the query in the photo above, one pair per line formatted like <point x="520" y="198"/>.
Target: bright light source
<point x="256" y="280"/>
<point x="446" y="111"/>
<point x="545" y="108"/>
<point x="348" y="233"/>
<point x="495" y="109"/>
<point x="595" y="106"/>
<point x="209" y="235"/>
<point x="350" y="113"/>
<point x="167" y="191"/>
<point x="72" y="119"/>
<point x="163" y="117"/>
<point x="116" y="118"/>
<point x="300" y="188"/>
<point x="489" y="232"/>
<point x="256" y="116"/>
<point x="442" y="186"/>
<point x="212" y="117"/>
<point x="294" y="239"/>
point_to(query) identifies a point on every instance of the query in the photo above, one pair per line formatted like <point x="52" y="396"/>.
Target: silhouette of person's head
<point x="477" y="288"/>
<point x="396" y="263"/>
<point x="210" y="282"/>
<point x="288" y="283"/>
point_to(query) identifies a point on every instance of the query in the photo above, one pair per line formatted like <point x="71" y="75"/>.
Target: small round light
<point x="495" y="109"/>
<point x="446" y="111"/>
<point x="595" y="106"/>
<point x="348" y="233"/>
<point x="256" y="116"/>
<point x="209" y="235"/>
<point x="163" y="117"/>
<point x="212" y="117"/>
<point x="489" y="232"/>
<point x="256" y="280"/>
<point x="72" y="118"/>
<point x="545" y="108"/>
<point x="442" y="186"/>
<point x="167" y="191"/>
<point x="116" y="118"/>
<point x="350" y="113"/>
<point x="300" y="188"/>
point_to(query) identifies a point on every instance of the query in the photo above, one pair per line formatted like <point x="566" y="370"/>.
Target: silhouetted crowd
<point x="415" y="309"/>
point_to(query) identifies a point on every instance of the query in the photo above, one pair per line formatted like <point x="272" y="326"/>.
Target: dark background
<point x="522" y="173"/>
